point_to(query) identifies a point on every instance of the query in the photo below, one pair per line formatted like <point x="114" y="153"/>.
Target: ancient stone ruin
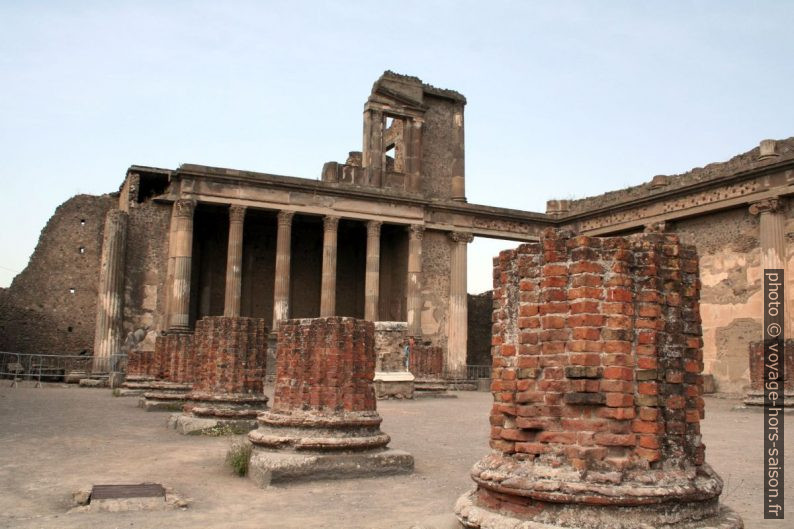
<point x="597" y="390"/>
<point x="392" y="377"/>
<point x="323" y="423"/>
<point x="229" y="370"/>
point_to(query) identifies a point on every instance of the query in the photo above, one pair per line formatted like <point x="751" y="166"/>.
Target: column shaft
<point x="414" y="287"/>
<point x="281" y="286"/>
<point x="328" y="289"/>
<point x="772" y="227"/>
<point x="110" y="301"/>
<point x="372" y="275"/>
<point x="457" y="341"/>
<point x="234" y="261"/>
<point x="183" y="258"/>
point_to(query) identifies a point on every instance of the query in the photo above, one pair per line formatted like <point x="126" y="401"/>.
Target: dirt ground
<point x="56" y="439"/>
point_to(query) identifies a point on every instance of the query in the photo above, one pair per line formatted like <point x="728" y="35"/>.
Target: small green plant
<point x="238" y="456"/>
<point x="116" y="392"/>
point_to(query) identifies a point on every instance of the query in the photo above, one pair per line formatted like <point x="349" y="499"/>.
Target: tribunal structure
<point x="382" y="237"/>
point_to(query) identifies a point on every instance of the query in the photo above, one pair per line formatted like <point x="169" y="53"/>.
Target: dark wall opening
<point x="208" y="273"/>
<point x="393" y="273"/>
<point x="259" y="265"/>
<point x="306" y="263"/>
<point x="351" y="265"/>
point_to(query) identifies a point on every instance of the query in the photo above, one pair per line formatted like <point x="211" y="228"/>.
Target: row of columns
<point x="181" y="246"/>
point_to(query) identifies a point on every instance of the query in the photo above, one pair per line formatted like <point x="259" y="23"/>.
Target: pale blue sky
<point x="566" y="99"/>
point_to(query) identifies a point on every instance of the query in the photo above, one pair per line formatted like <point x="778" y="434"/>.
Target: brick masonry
<point x="325" y="364"/>
<point x="426" y="360"/>
<point x="597" y="360"/>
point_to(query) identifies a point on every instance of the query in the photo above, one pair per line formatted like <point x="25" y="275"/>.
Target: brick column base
<point x="229" y="371"/>
<point x="323" y="423"/>
<point x="171" y="367"/>
<point x="597" y="361"/>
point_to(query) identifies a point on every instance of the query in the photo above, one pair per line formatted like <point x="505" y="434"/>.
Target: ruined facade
<point x="382" y="237"/>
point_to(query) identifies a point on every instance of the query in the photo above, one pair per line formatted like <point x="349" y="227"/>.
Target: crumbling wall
<point x="50" y="306"/>
<point x="480" y="311"/>
<point x="732" y="290"/>
<point x="440" y="146"/>
<point x="145" y="271"/>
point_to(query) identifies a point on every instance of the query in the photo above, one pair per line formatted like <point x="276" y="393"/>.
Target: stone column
<point x="283" y="248"/>
<point x="234" y="261"/>
<point x="413" y="157"/>
<point x="183" y="256"/>
<point x="414" y="301"/>
<point x="372" y="155"/>
<point x="372" y="275"/>
<point x="772" y="225"/>
<point x="328" y="289"/>
<point x="458" y="305"/>
<point x="108" y="339"/>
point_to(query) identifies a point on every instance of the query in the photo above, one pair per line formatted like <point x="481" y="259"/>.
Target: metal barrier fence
<point x="55" y="368"/>
<point x="473" y="373"/>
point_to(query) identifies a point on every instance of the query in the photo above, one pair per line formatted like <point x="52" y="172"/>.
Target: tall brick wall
<point x="598" y="352"/>
<point x="325" y="364"/>
<point x="50" y="306"/>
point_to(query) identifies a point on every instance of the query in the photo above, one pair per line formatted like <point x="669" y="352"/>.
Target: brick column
<point x="372" y="275"/>
<point x="107" y="338"/>
<point x="328" y="288"/>
<point x="772" y="226"/>
<point x="229" y="372"/>
<point x="179" y="319"/>
<point x="234" y="261"/>
<point x="458" y="306"/>
<point x="283" y="249"/>
<point x="323" y="422"/>
<point x="597" y="390"/>
<point x="414" y="287"/>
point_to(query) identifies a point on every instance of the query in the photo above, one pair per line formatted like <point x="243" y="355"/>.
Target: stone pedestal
<point x="323" y="423"/>
<point x="392" y="378"/>
<point x="227" y="395"/>
<point x="755" y="395"/>
<point x="597" y="390"/>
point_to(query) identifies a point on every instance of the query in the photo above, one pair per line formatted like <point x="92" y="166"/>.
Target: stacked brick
<point x="325" y="364"/>
<point x="597" y="360"/>
<point x="174" y="354"/>
<point x="324" y="396"/>
<point x="323" y="421"/>
<point x="140" y="364"/>
<point x="229" y="368"/>
<point x="426" y="360"/>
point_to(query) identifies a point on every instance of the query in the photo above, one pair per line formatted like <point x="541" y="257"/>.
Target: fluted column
<point x="772" y="227"/>
<point x="372" y="155"/>
<point x="234" y="261"/>
<point x="328" y="289"/>
<point x="414" y="294"/>
<point x="183" y="257"/>
<point x="372" y="275"/>
<point x="457" y="341"/>
<point x="110" y="301"/>
<point x="281" y="286"/>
